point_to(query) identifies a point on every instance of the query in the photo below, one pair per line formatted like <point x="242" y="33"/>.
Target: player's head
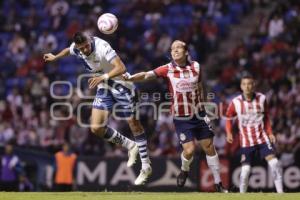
<point x="247" y="83"/>
<point x="66" y="147"/>
<point x="82" y="43"/>
<point x="179" y="51"/>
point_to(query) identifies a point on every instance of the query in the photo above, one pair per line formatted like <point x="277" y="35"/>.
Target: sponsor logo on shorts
<point x="182" y="137"/>
<point x="97" y="102"/>
<point x="269" y="145"/>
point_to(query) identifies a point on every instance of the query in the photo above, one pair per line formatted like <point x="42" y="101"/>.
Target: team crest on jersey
<point x="182" y="137"/>
<point x="186" y="74"/>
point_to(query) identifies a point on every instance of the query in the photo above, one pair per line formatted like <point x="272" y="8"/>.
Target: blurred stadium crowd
<point x="30" y="28"/>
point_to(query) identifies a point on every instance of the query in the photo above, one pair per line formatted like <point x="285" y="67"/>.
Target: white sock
<point x="245" y="172"/>
<point x="141" y="142"/>
<point x="185" y="163"/>
<point x="214" y="165"/>
<point x="277" y="174"/>
<point x="115" y="137"/>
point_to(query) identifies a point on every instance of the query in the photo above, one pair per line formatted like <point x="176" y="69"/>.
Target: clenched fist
<point x="48" y="57"/>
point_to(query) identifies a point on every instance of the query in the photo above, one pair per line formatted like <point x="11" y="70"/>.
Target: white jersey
<point x="99" y="61"/>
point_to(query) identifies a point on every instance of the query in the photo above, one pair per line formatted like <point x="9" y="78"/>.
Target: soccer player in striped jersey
<point x="113" y="96"/>
<point x="255" y="131"/>
<point x="190" y="119"/>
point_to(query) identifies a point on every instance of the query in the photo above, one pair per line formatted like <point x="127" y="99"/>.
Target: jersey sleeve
<point x="108" y="52"/>
<point x="231" y="112"/>
<point x="267" y="121"/>
<point x="161" y="71"/>
<point x="71" y="49"/>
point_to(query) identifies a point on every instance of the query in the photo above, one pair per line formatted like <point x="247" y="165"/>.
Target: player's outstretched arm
<point x="117" y="70"/>
<point x="49" y="57"/>
<point x="140" y="77"/>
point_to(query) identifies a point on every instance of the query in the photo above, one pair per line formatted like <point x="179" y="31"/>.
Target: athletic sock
<point x="115" y="137"/>
<point x="214" y="164"/>
<point x="185" y="163"/>
<point x="277" y="174"/>
<point x="141" y="142"/>
<point x="244" y="177"/>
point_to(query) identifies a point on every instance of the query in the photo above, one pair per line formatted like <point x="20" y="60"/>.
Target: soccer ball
<point x="107" y="23"/>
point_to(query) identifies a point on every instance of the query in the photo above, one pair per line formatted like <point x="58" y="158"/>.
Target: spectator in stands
<point x="210" y="31"/>
<point x="276" y="26"/>
<point x="15" y="100"/>
<point x="47" y="42"/>
<point x="24" y="183"/>
<point x="10" y="165"/>
<point x="58" y="12"/>
<point x="7" y="133"/>
<point x="77" y="137"/>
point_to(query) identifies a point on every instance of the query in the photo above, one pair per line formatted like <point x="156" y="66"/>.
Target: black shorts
<point x="248" y="153"/>
<point x="197" y="127"/>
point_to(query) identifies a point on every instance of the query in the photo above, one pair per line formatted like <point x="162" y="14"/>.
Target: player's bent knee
<point x="270" y="157"/>
<point x="189" y="151"/>
<point x="209" y="148"/>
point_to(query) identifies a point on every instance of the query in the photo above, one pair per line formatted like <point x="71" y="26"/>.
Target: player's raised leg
<point x="100" y="129"/>
<point x="141" y="141"/>
<point x="276" y="172"/>
<point x="213" y="162"/>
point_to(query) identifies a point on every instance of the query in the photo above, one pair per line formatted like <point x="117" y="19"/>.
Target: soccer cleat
<point x="132" y="155"/>
<point x="181" y="178"/>
<point x="219" y="188"/>
<point x="143" y="176"/>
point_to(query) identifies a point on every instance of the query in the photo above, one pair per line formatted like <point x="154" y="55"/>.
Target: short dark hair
<point x="79" y="38"/>
<point x="247" y="75"/>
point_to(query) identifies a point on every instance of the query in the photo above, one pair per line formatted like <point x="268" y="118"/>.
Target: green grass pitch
<point x="144" y="196"/>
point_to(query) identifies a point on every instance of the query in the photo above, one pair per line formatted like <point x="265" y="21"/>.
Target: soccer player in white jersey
<point x="112" y="94"/>
<point x="251" y="110"/>
<point x="190" y="119"/>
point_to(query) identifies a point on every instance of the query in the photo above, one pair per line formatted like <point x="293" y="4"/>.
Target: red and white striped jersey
<point x="183" y="86"/>
<point x="253" y="119"/>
